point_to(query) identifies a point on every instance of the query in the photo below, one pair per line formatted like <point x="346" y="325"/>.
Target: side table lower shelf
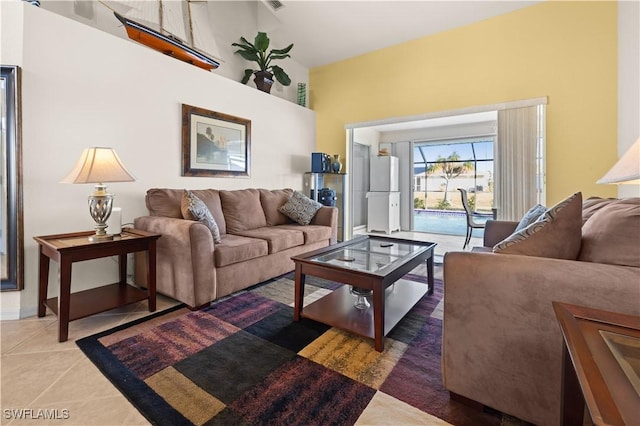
<point x="89" y="302"/>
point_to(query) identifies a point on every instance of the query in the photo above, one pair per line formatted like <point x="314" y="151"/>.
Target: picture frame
<point x="11" y="217"/>
<point x="215" y="144"/>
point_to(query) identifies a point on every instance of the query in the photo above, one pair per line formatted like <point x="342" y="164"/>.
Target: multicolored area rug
<point x="244" y="361"/>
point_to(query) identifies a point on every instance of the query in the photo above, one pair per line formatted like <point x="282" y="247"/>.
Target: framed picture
<point x="214" y="144"/>
<point x="11" y="216"/>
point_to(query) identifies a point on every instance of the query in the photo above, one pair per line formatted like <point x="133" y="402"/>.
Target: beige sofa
<point x="502" y="346"/>
<point x="257" y="241"/>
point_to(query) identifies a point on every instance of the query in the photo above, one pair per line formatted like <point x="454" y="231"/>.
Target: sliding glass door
<point x="440" y="167"/>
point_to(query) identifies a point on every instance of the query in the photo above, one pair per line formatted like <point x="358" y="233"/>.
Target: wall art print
<point x="214" y="144"/>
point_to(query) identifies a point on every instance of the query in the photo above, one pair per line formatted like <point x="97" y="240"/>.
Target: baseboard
<point x="10" y="314"/>
<point x="17" y="313"/>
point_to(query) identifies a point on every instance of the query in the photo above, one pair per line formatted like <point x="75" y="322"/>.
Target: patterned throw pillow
<point x="531" y="216"/>
<point x="556" y="234"/>
<point x="193" y="208"/>
<point x="300" y="208"/>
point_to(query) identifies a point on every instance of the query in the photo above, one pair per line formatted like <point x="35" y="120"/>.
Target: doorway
<point x="440" y="169"/>
<point x="515" y="135"/>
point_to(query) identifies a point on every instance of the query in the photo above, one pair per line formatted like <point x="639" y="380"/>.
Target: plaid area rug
<point x="244" y="361"/>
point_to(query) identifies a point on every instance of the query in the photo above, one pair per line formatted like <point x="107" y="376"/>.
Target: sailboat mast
<point x="193" y="41"/>
<point x="160" y="15"/>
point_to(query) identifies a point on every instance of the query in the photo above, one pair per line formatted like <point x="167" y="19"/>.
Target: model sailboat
<point x="166" y="42"/>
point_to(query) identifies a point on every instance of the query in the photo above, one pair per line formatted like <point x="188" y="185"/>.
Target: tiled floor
<point x="41" y="376"/>
<point x="38" y="373"/>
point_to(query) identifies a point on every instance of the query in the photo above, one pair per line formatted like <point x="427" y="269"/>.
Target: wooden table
<point x="601" y="364"/>
<point x="75" y="247"/>
<point x="390" y="305"/>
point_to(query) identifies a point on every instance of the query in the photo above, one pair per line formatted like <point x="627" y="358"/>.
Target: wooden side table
<point x="75" y="247"/>
<point x="601" y="363"/>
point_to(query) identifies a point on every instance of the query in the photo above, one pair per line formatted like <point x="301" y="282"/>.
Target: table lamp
<point x="627" y="169"/>
<point x="99" y="165"/>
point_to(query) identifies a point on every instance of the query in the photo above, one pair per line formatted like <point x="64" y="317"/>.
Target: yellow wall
<point x="564" y="50"/>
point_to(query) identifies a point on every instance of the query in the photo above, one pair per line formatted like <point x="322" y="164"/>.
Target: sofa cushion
<point x="592" y="205"/>
<point x="531" y="216"/>
<point x="168" y="202"/>
<point x="211" y="197"/>
<point x="312" y="233"/>
<point x="194" y="209"/>
<point x="236" y="248"/>
<point x="271" y="200"/>
<point x="242" y="210"/>
<point x="164" y="202"/>
<point x="556" y="234"/>
<point x="611" y="235"/>
<point x="277" y="239"/>
<point x="300" y="208"/>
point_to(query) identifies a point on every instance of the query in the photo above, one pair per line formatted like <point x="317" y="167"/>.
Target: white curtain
<point x="518" y="155"/>
<point x="404" y="151"/>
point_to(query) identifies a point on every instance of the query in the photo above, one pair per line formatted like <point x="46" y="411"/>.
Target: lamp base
<point x="100" y="203"/>
<point x="97" y="238"/>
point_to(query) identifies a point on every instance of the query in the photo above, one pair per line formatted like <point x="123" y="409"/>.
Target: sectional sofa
<point x="502" y="345"/>
<point x="256" y="241"/>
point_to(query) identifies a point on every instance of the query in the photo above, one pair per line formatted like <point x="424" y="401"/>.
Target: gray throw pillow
<point x="193" y="208"/>
<point x="531" y="216"/>
<point x="300" y="208"/>
<point x="556" y="234"/>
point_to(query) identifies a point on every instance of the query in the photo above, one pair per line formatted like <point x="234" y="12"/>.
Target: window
<point x="446" y="165"/>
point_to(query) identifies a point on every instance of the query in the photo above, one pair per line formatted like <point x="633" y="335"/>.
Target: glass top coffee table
<point x="370" y="266"/>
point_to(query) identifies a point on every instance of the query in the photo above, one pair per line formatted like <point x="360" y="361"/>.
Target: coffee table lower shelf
<point x="88" y="302"/>
<point x="336" y="308"/>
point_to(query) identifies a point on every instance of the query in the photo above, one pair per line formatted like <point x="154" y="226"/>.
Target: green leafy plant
<point x="257" y="52"/>
<point x="418" y="203"/>
<point x="472" y="203"/>
<point x="443" y="205"/>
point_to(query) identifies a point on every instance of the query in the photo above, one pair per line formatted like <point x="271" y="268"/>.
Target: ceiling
<point x="329" y="31"/>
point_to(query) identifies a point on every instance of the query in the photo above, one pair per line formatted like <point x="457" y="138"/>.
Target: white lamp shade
<point x="98" y="165"/>
<point x="627" y="169"/>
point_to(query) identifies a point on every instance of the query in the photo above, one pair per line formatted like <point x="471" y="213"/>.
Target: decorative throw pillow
<point x="193" y="208"/>
<point x="300" y="208"/>
<point x="556" y="234"/>
<point x="531" y="216"/>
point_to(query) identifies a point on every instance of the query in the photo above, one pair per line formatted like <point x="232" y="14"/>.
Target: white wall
<point x="84" y="87"/>
<point x="628" y="83"/>
<point x="226" y="22"/>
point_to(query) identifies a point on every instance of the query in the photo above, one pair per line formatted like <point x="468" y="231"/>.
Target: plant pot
<point x="263" y="80"/>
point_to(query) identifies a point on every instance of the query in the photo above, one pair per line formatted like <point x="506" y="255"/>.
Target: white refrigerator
<point x="383" y="198"/>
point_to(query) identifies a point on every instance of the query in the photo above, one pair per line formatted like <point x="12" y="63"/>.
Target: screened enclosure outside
<point x="439" y="169"/>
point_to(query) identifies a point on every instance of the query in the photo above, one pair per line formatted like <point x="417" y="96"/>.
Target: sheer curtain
<point x="519" y="161"/>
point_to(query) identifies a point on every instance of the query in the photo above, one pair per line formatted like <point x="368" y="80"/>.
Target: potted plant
<point x="257" y="52"/>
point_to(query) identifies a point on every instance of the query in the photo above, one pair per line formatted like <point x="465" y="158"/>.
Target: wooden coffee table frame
<point x="389" y="306"/>
<point x="74" y="247"/>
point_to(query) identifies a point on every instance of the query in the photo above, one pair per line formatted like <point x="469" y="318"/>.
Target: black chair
<point x="471" y="223"/>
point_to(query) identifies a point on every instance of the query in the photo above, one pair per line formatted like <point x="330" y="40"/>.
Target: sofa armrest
<point x="501" y="344"/>
<point x="497" y="230"/>
<point x="185" y="266"/>
<point x="328" y="216"/>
